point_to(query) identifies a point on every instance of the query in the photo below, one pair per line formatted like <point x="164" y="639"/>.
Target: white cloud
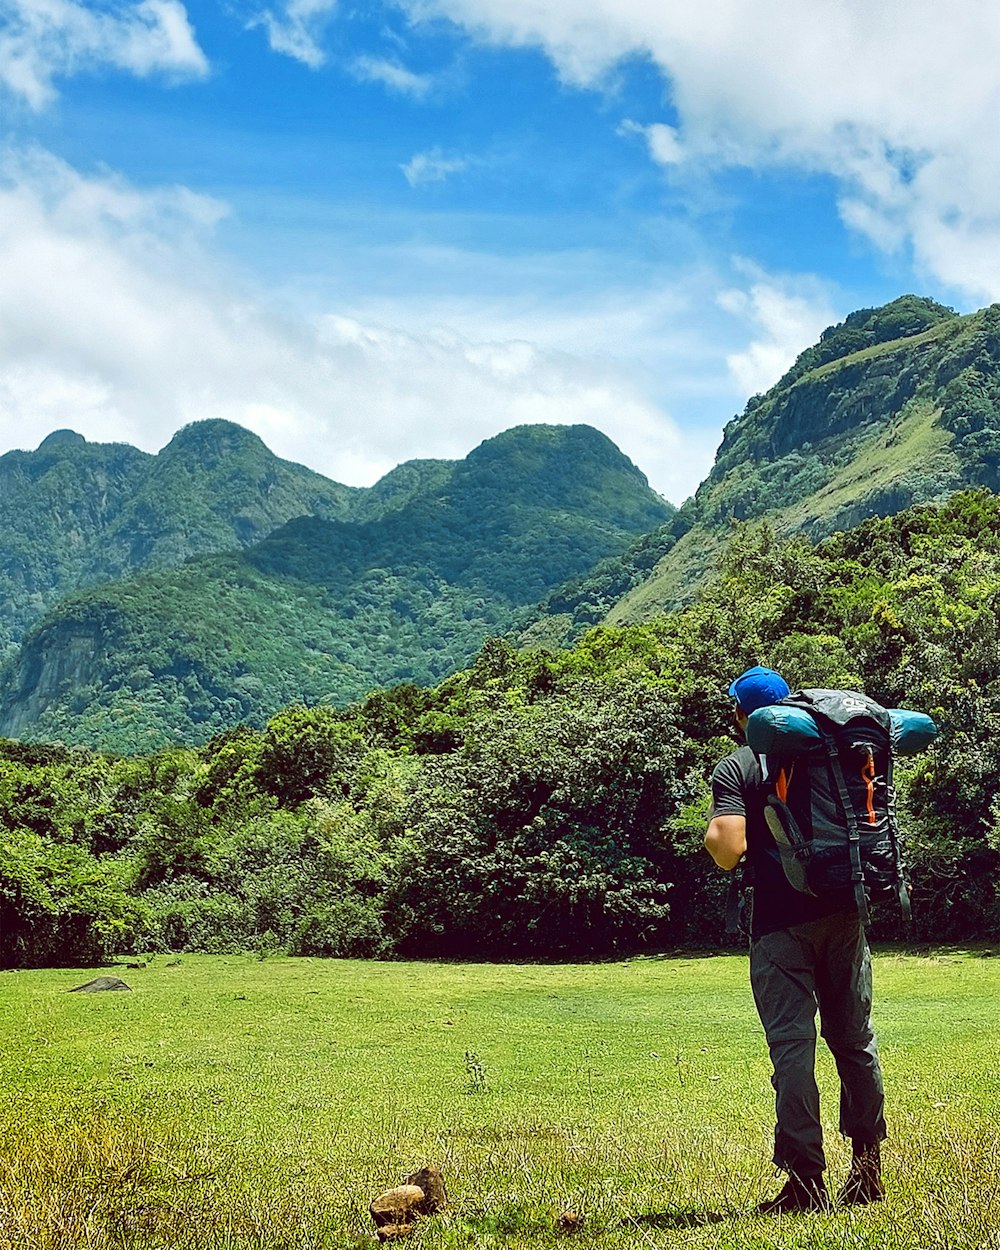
<point x="783" y="318"/>
<point x="296" y="29"/>
<point x="663" y="141"/>
<point x="432" y="166"/>
<point x="43" y="40"/>
<point x="392" y="75"/>
<point x="897" y="102"/>
<point x="470" y="388"/>
<point x="120" y="323"/>
<point x="584" y="39"/>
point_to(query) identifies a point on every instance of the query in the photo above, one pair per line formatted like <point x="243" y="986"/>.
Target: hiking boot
<point x="798" y="1194"/>
<point x="864" y="1180"/>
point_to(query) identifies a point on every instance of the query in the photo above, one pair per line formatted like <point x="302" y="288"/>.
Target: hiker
<point x="806" y="951"/>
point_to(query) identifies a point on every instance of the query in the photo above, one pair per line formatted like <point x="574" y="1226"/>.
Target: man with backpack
<point x="807" y="950"/>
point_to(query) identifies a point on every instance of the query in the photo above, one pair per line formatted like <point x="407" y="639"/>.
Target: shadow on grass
<point x="693" y="1218"/>
<point x="939" y="950"/>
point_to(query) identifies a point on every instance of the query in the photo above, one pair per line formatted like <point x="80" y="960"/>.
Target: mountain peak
<point x="214" y="440"/>
<point x="561" y="467"/>
<point x="901" y="318"/>
<point x="61" y="439"/>
<point x="531" y="447"/>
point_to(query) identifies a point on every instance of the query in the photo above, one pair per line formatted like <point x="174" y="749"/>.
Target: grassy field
<point x="229" y="1102"/>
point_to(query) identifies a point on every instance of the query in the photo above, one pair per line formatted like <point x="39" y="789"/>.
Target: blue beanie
<point x="758" y="687"/>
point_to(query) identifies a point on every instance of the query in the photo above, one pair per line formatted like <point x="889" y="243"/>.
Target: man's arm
<point x="726" y="840"/>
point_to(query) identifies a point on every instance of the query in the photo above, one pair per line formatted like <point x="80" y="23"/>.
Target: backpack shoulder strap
<point x="850" y="820"/>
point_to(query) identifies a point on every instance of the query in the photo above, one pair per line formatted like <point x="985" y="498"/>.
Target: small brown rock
<point x="431" y="1182"/>
<point x="392" y="1232"/>
<point x="398" y="1206"/>
<point x="569" y="1222"/>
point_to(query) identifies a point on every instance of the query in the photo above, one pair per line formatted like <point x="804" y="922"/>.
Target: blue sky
<point x="378" y="231"/>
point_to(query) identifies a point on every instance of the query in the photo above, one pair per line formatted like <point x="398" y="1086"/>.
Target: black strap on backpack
<point x="854" y="830"/>
<point x="739" y="901"/>
<point x="793" y="846"/>
<point x="902" y="889"/>
<point x="851" y="819"/>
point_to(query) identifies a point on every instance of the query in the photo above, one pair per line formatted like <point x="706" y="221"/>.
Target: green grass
<point x="229" y="1102"/>
<point x="675" y="579"/>
<point x="914" y="441"/>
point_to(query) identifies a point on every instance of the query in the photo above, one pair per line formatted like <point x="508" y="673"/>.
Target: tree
<point x="307" y="751"/>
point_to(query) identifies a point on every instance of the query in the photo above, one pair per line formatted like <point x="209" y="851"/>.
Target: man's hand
<point x="726" y="840"/>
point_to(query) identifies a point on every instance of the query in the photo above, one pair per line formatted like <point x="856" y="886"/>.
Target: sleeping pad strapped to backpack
<point x="828" y="757"/>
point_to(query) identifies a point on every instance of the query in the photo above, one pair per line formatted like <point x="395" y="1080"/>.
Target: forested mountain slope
<point x="894" y="406"/>
<point x="538" y="804"/>
<point x="444" y="555"/>
<point x="74" y="513"/>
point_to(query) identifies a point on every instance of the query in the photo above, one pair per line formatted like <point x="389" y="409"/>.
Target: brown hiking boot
<point x="864" y="1180"/>
<point x="798" y="1194"/>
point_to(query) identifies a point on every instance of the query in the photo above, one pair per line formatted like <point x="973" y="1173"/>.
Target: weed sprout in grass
<point x="476" y="1073"/>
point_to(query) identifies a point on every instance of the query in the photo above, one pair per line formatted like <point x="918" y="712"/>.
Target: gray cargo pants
<point x="822" y="963"/>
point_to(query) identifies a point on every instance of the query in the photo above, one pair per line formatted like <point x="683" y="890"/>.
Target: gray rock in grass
<point x="98" y="984"/>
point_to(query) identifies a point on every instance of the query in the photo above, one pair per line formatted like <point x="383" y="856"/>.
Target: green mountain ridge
<point x="894" y="406"/>
<point x="75" y="514"/>
<point x="328" y="609"/>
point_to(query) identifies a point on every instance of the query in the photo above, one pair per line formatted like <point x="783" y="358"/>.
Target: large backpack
<point x="827" y="756"/>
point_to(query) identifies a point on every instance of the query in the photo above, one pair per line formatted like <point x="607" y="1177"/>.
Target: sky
<point x="372" y="232"/>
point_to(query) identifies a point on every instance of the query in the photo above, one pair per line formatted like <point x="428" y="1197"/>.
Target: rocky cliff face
<point x="46" y="672"/>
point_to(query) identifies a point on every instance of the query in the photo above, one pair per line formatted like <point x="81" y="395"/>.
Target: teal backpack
<point x="828" y="757"/>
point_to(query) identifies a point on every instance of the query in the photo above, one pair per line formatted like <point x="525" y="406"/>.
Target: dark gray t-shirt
<point x="739" y="789"/>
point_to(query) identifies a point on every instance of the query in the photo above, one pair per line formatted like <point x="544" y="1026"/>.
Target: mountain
<point x="74" y="513"/>
<point x="893" y="406"/>
<point x="441" y="556"/>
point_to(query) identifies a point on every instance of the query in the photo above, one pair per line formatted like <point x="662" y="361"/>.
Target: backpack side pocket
<point x="794" y="849"/>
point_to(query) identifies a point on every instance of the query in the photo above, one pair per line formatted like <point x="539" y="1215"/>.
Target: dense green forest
<point x="431" y="561"/>
<point x="539" y="803"/>
<point x="158" y="600"/>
